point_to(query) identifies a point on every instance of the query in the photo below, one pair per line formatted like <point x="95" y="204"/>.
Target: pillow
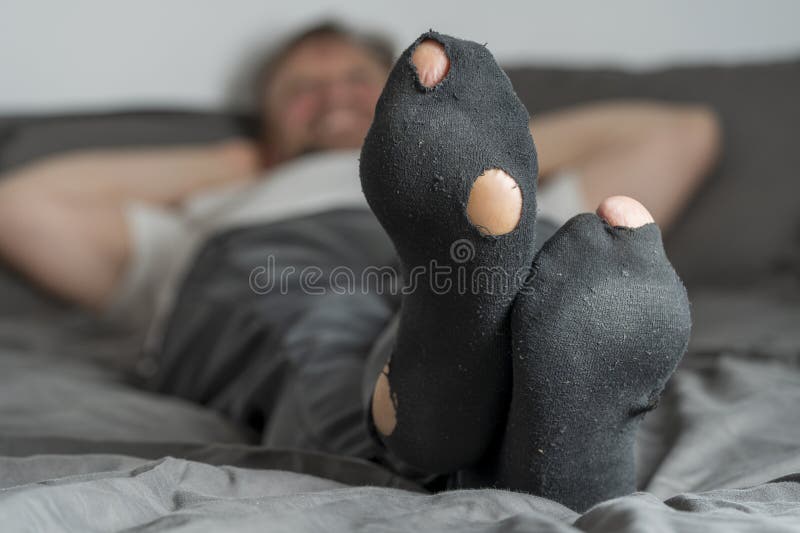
<point x="745" y="222"/>
<point x="25" y="139"/>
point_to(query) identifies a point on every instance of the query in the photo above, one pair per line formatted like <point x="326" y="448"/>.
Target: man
<point x="126" y="224"/>
<point x="319" y="94"/>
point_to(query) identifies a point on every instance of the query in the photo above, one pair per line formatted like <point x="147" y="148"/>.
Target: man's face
<point x="322" y="97"/>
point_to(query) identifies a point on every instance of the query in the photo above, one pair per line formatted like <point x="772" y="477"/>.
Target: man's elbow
<point x="699" y="135"/>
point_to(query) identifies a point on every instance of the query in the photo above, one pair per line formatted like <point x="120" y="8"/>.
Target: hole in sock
<point x="431" y="62"/>
<point x="495" y="203"/>
<point x="384" y="405"/>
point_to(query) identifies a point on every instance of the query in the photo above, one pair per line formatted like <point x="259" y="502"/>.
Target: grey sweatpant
<point x="293" y="358"/>
<point x="285" y="359"/>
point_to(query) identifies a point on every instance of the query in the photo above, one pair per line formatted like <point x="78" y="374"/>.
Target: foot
<point x="449" y="169"/>
<point x="597" y="332"/>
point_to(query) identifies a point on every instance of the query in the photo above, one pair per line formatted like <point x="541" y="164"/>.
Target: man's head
<point x="318" y="91"/>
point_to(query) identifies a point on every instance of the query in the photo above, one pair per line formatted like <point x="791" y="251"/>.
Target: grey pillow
<point x="24" y="139"/>
<point x="745" y="223"/>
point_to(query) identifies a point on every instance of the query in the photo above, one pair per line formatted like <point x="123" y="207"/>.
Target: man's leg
<point x="595" y="331"/>
<point x="658" y="153"/>
<point x="441" y="149"/>
<point x="319" y="408"/>
<point x="273" y="324"/>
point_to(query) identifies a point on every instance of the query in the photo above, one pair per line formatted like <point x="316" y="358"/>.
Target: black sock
<point x="596" y="333"/>
<point x="450" y="370"/>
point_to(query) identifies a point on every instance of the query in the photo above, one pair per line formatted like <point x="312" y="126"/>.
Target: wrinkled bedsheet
<point x="721" y="453"/>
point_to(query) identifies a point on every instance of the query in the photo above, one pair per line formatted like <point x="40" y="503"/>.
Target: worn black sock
<point x="450" y="369"/>
<point x="597" y="332"/>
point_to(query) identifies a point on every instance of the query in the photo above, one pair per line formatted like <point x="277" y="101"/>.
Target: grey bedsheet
<point x="177" y="495"/>
<point x="720" y="454"/>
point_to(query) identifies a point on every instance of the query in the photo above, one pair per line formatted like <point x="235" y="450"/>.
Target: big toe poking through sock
<point x="597" y="332"/>
<point x="449" y="169"/>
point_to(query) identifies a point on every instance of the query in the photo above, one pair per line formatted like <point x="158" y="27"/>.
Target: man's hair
<point x="377" y="45"/>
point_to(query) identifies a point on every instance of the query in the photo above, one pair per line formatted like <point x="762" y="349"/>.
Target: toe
<point x="623" y="211"/>
<point x="431" y="62"/>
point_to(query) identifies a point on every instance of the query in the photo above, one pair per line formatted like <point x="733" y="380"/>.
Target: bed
<point x="83" y="449"/>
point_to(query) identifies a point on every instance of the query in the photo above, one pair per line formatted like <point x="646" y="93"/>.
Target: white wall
<point x="118" y="53"/>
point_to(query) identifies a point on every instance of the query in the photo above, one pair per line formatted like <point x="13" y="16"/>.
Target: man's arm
<point x="655" y="152"/>
<point x="62" y="220"/>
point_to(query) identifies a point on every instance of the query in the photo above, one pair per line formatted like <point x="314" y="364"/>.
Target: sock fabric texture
<point x="450" y="372"/>
<point x="597" y="331"/>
